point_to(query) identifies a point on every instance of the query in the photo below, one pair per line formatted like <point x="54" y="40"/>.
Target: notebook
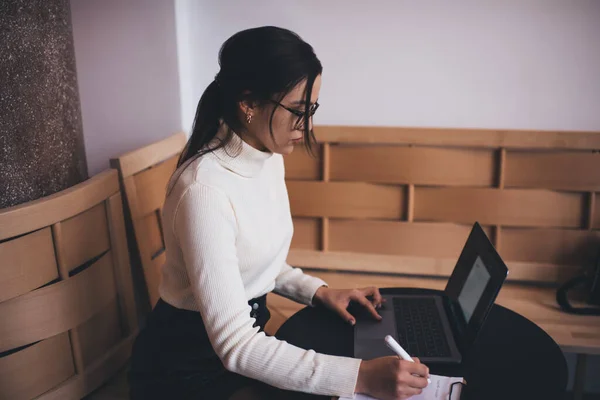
<point x="438" y="389"/>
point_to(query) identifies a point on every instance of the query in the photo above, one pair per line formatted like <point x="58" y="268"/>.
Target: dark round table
<point x="511" y="359"/>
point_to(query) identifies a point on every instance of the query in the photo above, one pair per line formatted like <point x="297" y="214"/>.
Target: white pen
<point x="396" y="348"/>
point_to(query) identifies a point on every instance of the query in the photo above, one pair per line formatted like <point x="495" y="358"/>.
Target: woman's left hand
<point x="339" y="299"/>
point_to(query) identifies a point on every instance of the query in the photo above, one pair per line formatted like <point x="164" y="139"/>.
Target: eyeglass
<point x="298" y="113"/>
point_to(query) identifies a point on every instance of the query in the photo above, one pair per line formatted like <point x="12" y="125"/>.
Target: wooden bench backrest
<point x="403" y="200"/>
<point x="66" y="297"/>
<point x="145" y="173"/>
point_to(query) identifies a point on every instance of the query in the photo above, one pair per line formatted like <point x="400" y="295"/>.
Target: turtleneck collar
<point x="239" y="157"/>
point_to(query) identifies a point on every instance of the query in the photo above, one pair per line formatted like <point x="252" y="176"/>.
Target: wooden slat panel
<point x="553" y="170"/>
<point x="444" y="137"/>
<point x="591" y="208"/>
<point x="416" y="165"/>
<point x="138" y="160"/>
<point x="151" y="186"/>
<point x="558" y="246"/>
<point x="399" y="238"/>
<point x="345" y="200"/>
<point x="82" y="384"/>
<point x="84" y="237"/>
<point x="123" y="278"/>
<point x="28" y="262"/>
<point x="49" y="210"/>
<point x="394" y="264"/>
<point x="152" y="273"/>
<point x="516" y="207"/>
<point x="57" y="308"/>
<point x="152" y="233"/>
<point x="363" y="262"/>
<point x="301" y="165"/>
<point x="100" y="333"/>
<point x="36" y="369"/>
<point x="306" y="234"/>
<point x="596" y="212"/>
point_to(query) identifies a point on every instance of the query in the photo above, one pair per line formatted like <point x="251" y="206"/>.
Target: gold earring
<point x="248" y="118"/>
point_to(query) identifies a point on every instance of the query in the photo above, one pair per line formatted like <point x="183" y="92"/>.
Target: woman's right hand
<point x="390" y="378"/>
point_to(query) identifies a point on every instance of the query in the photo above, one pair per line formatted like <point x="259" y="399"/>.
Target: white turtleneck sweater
<point x="227" y="229"/>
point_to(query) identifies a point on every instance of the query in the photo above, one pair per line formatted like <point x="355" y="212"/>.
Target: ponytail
<point x="207" y="122"/>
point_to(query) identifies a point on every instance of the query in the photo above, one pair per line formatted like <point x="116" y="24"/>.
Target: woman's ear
<point x="246" y="106"/>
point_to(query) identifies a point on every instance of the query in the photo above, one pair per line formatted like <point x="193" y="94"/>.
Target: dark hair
<point x="258" y="65"/>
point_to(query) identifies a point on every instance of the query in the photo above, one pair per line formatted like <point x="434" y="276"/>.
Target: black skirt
<point x="174" y="359"/>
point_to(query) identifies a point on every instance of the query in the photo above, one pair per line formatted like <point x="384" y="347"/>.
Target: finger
<point x="373" y="291"/>
<point x="346" y="316"/>
<point x="367" y="304"/>
<point x="416" y="368"/>
<point x="417" y="382"/>
<point x="411" y="391"/>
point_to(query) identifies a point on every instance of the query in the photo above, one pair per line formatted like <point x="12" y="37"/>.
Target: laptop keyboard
<point x="419" y="327"/>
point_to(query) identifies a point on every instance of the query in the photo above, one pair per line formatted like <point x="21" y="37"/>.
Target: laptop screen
<point x="473" y="288"/>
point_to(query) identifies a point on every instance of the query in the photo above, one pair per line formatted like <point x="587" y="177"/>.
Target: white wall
<point x="127" y="70"/>
<point x="507" y="64"/>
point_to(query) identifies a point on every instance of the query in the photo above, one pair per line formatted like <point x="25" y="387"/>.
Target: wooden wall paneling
<point x="306" y="234"/>
<point x="508" y="207"/>
<point x="459" y="137"/>
<point x="151" y="186"/>
<point x="596" y="212"/>
<point x="51" y="310"/>
<point x="153" y="233"/>
<point x="138" y="160"/>
<point x="100" y="333"/>
<point x="120" y="253"/>
<point x="501" y="177"/>
<point x="416" y="165"/>
<point x="371" y="263"/>
<point x="559" y="170"/>
<point x="60" y="248"/>
<point x="84" y="237"/>
<point x="23" y="269"/>
<point x="152" y="274"/>
<point x="326" y="178"/>
<point x="557" y="246"/>
<point x="301" y="165"/>
<point x="141" y="239"/>
<point x="26" y="374"/>
<point x="591" y="208"/>
<point x="403" y="264"/>
<point x="345" y="200"/>
<point x="410" y="203"/>
<point x="51" y="209"/>
<point x="80" y="385"/>
<point x="501" y="168"/>
<point x="418" y="239"/>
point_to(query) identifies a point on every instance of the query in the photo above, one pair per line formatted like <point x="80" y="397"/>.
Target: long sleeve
<point x="294" y="284"/>
<point x="205" y="227"/>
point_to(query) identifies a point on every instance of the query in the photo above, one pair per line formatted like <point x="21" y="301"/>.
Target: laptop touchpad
<point x="369" y="328"/>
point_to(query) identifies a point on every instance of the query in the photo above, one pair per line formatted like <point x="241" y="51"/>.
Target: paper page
<point x="438" y="389"/>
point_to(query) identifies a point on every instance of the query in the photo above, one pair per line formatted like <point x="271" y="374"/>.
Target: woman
<point x="227" y="229"/>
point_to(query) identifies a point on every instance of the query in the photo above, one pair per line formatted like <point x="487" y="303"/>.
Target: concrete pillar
<point x="41" y="138"/>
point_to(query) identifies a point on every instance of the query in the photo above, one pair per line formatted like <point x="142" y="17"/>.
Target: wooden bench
<point x="67" y="309"/>
<point x="144" y="174"/>
<point x="394" y="206"/>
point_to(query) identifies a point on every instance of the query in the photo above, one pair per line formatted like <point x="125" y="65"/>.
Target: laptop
<point x="438" y="328"/>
